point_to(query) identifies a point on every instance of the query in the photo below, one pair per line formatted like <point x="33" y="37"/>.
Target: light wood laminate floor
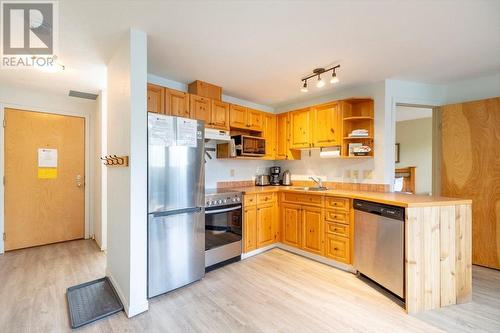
<point x="273" y="292"/>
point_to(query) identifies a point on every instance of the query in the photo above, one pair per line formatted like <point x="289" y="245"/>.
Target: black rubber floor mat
<point x="91" y="301"/>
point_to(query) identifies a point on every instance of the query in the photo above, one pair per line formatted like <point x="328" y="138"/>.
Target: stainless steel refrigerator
<point x="176" y="214"/>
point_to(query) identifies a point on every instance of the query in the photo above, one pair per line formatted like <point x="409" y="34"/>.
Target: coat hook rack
<point x="115" y="161"/>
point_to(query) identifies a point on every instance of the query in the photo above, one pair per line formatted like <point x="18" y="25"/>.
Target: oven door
<point x="223" y="230"/>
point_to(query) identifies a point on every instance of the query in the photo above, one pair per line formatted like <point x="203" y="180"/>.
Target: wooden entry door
<point x="43" y="205"/>
<point x="470" y="169"/>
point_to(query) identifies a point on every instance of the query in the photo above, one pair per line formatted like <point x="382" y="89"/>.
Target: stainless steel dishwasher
<point x="379" y="244"/>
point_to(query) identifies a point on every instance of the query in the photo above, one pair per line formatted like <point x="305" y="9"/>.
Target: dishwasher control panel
<point x="393" y="212"/>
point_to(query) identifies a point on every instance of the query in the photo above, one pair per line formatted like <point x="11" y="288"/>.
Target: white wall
<point x="99" y="172"/>
<point x="26" y="98"/>
<point x="127" y="187"/>
<point x="473" y="89"/>
<point x="415" y="139"/>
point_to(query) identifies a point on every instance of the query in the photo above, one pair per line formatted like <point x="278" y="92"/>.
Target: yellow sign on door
<point x="47" y="173"/>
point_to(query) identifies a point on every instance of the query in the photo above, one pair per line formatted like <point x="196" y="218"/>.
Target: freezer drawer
<point x="176" y="250"/>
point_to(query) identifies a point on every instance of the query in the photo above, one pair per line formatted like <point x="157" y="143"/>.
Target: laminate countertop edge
<point x="389" y="198"/>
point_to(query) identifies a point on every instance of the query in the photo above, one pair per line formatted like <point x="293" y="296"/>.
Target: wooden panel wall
<point x="437" y="257"/>
<point x="471" y="169"/>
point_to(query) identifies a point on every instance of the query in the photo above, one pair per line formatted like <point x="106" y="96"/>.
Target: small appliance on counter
<point x="274" y="178"/>
<point x="287" y="178"/>
<point x="262" y="180"/>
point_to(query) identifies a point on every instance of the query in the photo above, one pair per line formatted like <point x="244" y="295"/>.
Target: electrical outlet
<point x="355" y="174"/>
<point x="231" y="172"/>
<point x="367" y="174"/>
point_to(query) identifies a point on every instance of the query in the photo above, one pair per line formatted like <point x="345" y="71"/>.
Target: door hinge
<point x="4" y="236"/>
<point x="4" y="123"/>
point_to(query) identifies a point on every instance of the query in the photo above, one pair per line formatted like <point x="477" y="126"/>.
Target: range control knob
<point x="208" y="203"/>
<point x="219" y="202"/>
<point x="225" y="200"/>
<point x="238" y="199"/>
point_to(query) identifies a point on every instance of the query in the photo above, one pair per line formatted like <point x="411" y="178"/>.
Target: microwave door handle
<point x="222" y="210"/>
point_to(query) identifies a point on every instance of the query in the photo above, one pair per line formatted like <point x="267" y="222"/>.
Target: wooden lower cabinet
<point x="265" y="226"/>
<point x="338" y="248"/>
<point x="291" y="216"/>
<point x="312" y="229"/>
<point x="250" y="228"/>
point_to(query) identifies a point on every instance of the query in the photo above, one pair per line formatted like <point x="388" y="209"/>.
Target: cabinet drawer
<point x="263" y="198"/>
<point x="337" y="203"/>
<point x="249" y="199"/>
<point x="337" y="216"/>
<point x="337" y="229"/>
<point x="338" y="248"/>
<point x="315" y="200"/>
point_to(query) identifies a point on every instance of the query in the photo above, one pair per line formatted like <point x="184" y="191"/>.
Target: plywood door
<point x="42" y="211"/>
<point x="471" y="169"/>
<point x="291" y="219"/>
<point x="312" y="229"/>
<point x="265" y="217"/>
<point x="250" y="229"/>
<point x="177" y="103"/>
<point x="220" y="115"/>
<point x="326" y="125"/>
<point x="300" y="126"/>
<point x="156" y="98"/>
<point x="200" y="108"/>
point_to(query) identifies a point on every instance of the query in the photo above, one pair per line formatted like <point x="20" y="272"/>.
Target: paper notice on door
<point x="47" y="158"/>
<point x="161" y="131"/>
<point x="187" y="132"/>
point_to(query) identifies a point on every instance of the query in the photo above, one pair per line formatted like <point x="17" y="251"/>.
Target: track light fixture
<point x="317" y="72"/>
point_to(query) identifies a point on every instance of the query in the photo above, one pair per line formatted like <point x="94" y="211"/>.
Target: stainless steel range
<point x="223" y="227"/>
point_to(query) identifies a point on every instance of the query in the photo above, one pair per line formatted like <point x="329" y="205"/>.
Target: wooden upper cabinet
<point x="156" y="99"/>
<point x="312" y="229"/>
<point x="177" y="103"/>
<point x="238" y="116"/>
<point x="283" y="151"/>
<point x="269" y="134"/>
<point x="290" y="224"/>
<point x="219" y="115"/>
<point x="200" y="108"/>
<point x="254" y="120"/>
<point x="300" y="126"/>
<point x="327" y="125"/>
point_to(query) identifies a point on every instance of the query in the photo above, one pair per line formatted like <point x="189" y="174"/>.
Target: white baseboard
<point x="129" y="310"/>
<point x="315" y="257"/>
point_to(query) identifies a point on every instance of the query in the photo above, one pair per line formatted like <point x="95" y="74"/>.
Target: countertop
<point x="389" y="198"/>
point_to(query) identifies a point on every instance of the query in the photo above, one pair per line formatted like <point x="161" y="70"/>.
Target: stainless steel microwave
<point x="247" y="145"/>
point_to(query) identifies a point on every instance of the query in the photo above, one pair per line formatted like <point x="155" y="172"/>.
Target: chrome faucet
<point x="317" y="181"/>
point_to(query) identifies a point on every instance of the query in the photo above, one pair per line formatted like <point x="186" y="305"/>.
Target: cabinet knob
<point x="335" y="249"/>
<point x="332" y="130"/>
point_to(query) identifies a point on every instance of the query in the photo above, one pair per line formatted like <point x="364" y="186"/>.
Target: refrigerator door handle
<point x="178" y="211"/>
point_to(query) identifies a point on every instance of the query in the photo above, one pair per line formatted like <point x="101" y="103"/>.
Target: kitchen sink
<point x="313" y="189"/>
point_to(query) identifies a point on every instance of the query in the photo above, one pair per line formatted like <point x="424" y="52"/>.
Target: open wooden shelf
<point x="358" y="118"/>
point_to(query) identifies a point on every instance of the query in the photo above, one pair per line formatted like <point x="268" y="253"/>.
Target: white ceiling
<point x="259" y="50"/>
<point x="404" y="113"/>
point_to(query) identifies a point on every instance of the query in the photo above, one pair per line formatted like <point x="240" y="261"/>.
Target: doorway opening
<point x="414" y="162"/>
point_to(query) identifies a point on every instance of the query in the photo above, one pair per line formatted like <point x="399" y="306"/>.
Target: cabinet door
<point x="326" y="125"/>
<point x="312" y="229"/>
<point x="156" y="99"/>
<point x="177" y="103"/>
<point x="281" y="136"/>
<point x="219" y="115"/>
<point x="265" y="217"/>
<point x="200" y="108"/>
<point x="269" y="134"/>
<point x="250" y="229"/>
<point x="300" y="126"/>
<point x="290" y="223"/>
<point x="338" y="248"/>
<point x="237" y="116"/>
<point x="254" y="120"/>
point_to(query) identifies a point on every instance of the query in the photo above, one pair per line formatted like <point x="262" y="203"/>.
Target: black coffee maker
<point x="275" y="171"/>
